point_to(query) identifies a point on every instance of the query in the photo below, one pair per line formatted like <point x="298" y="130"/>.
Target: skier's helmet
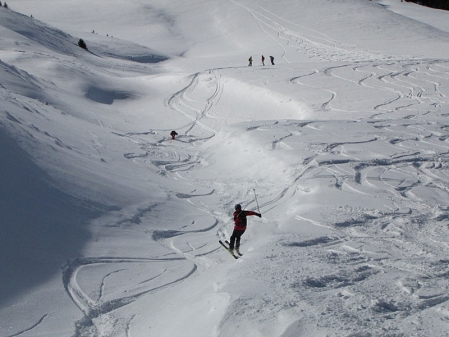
<point x="238" y="207"/>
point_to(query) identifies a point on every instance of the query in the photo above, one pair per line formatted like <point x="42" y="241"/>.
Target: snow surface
<point x="110" y="228"/>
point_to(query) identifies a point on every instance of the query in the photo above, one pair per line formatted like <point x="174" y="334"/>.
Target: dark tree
<point x="82" y="44"/>
<point x="440" y="4"/>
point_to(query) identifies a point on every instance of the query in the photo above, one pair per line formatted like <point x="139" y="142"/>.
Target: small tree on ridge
<point x="82" y="44"/>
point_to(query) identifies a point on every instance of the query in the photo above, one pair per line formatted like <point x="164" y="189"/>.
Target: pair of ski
<point x="226" y="246"/>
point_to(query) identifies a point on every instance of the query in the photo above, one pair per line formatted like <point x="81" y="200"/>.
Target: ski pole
<point x="256" y="199"/>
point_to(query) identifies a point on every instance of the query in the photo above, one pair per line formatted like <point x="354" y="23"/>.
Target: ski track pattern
<point x="195" y="106"/>
<point x="100" y="312"/>
<point x="293" y="38"/>
<point x="414" y="230"/>
<point x="412" y="88"/>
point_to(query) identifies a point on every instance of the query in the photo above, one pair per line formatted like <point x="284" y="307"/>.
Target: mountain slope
<point x="111" y="227"/>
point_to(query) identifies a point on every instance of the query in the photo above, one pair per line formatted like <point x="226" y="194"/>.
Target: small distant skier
<point x="173" y="134"/>
<point x="272" y="60"/>
<point x="250" y="61"/>
<point x="263" y="60"/>
<point x="240" y="223"/>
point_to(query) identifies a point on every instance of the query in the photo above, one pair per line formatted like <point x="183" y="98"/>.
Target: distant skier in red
<point x="240" y="223"/>
<point x="173" y="134"/>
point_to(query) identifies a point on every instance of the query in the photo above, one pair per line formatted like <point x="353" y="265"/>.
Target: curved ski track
<point x="98" y="310"/>
<point x="196" y="106"/>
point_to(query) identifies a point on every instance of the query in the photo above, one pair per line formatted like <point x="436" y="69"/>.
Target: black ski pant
<point x="235" y="238"/>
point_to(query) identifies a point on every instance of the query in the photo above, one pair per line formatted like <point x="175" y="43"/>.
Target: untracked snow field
<point x="110" y="228"/>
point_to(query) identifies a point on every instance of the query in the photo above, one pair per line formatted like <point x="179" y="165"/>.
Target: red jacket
<point x="240" y="219"/>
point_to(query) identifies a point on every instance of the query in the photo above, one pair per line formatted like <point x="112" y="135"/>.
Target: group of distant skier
<point x="263" y="61"/>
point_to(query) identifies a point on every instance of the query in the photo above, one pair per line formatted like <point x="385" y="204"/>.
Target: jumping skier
<point x="240" y="226"/>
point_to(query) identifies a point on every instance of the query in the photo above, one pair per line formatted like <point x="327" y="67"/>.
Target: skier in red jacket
<point x="173" y="134"/>
<point x="240" y="226"/>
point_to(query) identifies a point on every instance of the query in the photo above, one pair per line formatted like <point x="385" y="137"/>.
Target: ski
<point x="227" y="248"/>
<point x="238" y="252"/>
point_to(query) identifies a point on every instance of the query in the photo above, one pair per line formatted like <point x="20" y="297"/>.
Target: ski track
<point x="392" y="179"/>
<point x="26" y="331"/>
<point x="405" y="86"/>
<point x="196" y="108"/>
<point x="100" y="310"/>
<point x="304" y="40"/>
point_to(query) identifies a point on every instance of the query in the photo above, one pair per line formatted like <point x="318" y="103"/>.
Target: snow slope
<point x="110" y="228"/>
